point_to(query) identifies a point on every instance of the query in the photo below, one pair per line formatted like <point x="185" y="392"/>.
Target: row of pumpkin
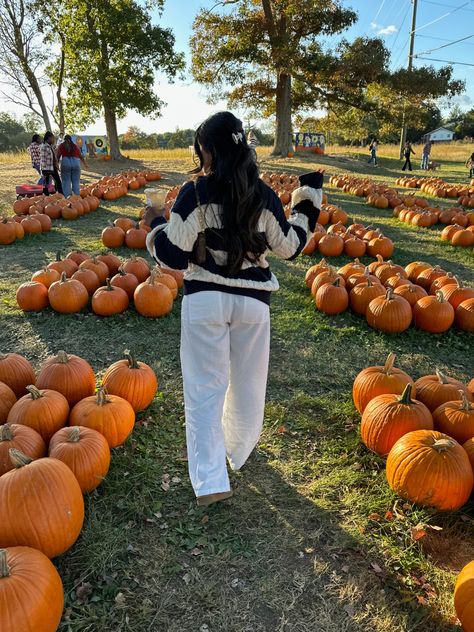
<point x="425" y="430"/>
<point x="67" y="285"/>
<point x="458" y="235"/>
<point x="424" y="216"/>
<point x="440" y="188"/>
<point x="356" y="240"/>
<point x="392" y="297"/>
<point x="46" y="467"/>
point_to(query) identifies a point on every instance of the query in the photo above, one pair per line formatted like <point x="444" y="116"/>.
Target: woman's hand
<point x="151" y="213"/>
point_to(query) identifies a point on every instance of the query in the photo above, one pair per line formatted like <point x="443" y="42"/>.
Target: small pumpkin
<point x="46" y="276"/>
<point x="433" y="313"/>
<point x="67" y="296"/>
<point x="31" y="591"/>
<point x="464" y="315"/>
<point x="43" y="410"/>
<point x="78" y="256"/>
<point x="68" y="374"/>
<point x="133" y="380"/>
<point x="152" y="298"/>
<point x="16" y="372"/>
<point x="68" y="266"/>
<point x="113" y="236"/>
<point x="99" y="267"/>
<point x="386" y="418"/>
<point x="136" y="237"/>
<point x="456" y="418"/>
<point x="111" y="415"/>
<point x="109" y="300"/>
<point x="331" y="245"/>
<point x="7" y="399"/>
<point x="32" y="296"/>
<point x="380" y="380"/>
<point x="85" y="451"/>
<point x="126" y="281"/>
<point x="41" y="505"/>
<point x="469" y="447"/>
<point x="434" y="390"/>
<point x="457" y="293"/>
<point x="411" y="293"/>
<point x="464" y="597"/>
<point x="111" y="261"/>
<point x="362" y="293"/>
<point x="137" y="266"/>
<point x="88" y="278"/>
<point x="332" y="298"/>
<point x="430" y="469"/>
<point x="21" y="438"/>
<point x="390" y="313"/>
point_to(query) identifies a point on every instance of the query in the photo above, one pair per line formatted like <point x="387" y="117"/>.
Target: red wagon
<point x="29" y="190"/>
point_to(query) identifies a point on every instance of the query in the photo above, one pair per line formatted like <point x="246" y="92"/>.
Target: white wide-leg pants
<point x="225" y="342"/>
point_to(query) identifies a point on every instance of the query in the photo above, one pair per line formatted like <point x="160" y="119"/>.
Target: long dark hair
<point x="69" y="143"/>
<point x="236" y="186"/>
<point x="47" y="136"/>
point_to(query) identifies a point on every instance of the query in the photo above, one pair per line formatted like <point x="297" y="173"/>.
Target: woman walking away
<point x="71" y="158"/>
<point x="49" y="163"/>
<point x="373" y="152"/>
<point x="470" y="165"/>
<point x="425" y="156"/>
<point x="220" y="230"/>
<point x="407" y="151"/>
<point x="34" y="149"/>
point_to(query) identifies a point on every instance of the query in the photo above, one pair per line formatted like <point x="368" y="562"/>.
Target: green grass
<point x="304" y="544"/>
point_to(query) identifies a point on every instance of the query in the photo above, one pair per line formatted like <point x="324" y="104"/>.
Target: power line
<point x="441" y="17"/>
<point x="440" y="39"/>
<point x="432" y="50"/>
<point x="378" y="12"/>
<point x="442" y="4"/>
<point x="392" y="47"/>
<point x="446" y="61"/>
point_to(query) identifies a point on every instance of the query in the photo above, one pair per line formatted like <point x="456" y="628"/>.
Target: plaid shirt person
<point x="48" y="160"/>
<point x="35" y="152"/>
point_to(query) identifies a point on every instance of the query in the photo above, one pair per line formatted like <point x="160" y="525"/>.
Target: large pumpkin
<point x="456" y="418"/>
<point x="433" y="313"/>
<point x="389" y="313"/>
<point x="111" y="415"/>
<point x="464" y="597"/>
<point x="363" y="293"/>
<point x="68" y="374"/>
<point x="133" y="380"/>
<point x="431" y="469"/>
<point x="31" y="591"/>
<point x="434" y="390"/>
<point x="137" y="266"/>
<point x="379" y="380"/>
<point x="386" y="418"/>
<point x="7" y="399"/>
<point x="21" y="438"/>
<point x="43" y="410"/>
<point x="16" y="372"/>
<point x="126" y="281"/>
<point x="331" y="298"/>
<point x="67" y="296"/>
<point x="85" y="451"/>
<point x="109" y="300"/>
<point x="313" y="272"/>
<point x="41" y="505"/>
<point x="153" y="299"/>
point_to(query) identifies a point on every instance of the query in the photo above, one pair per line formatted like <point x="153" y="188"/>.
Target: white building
<point x="439" y="135"/>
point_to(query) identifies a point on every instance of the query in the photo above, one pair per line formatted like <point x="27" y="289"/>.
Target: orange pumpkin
<point x="456" y="418"/>
<point x="21" y="438"/>
<point x="109" y="300"/>
<point x="133" y="380"/>
<point x="16" y="372"/>
<point x="67" y="296"/>
<point x="152" y="298"/>
<point x="464" y="597"/>
<point x="7" y="399"/>
<point x="32" y="297"/>
<point x="68" y="374"/>
<point x="43" y="410"/>
<point x="46" y="276"/>
<point x="435" y="390"/>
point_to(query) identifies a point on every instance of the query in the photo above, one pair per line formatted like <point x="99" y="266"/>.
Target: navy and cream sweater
<point x="171" y="243"/>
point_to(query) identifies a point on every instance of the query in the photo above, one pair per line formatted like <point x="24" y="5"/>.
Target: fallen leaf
<point x="389" y="515"/>
<point x="418" y="532"/>
<point x="196" y="551"/>
<point x="83" y="592"/>
<point x="434" y="527"/>
<point x="345" y="569"/>
<point x="374" y="516"/>
<point x="120" y="599"/>
<point x="205" y="519"/>
<point x="176" y="479"/>
<point x="165" y="486"/>
<point x="376" y="567"/>
<point x="421" y="600"/>
<point x="187" y="578"/>
<point x="281" y="429"/>
<point x="350" y="610"/>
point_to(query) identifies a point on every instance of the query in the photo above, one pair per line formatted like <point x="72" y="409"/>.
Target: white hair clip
<point x="237" y="137"/>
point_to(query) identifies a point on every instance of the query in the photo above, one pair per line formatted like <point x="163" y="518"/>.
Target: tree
<point x="111" y="51"/>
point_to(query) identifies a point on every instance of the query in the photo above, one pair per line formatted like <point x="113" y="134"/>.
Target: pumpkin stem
<point x="442" y="377"/>
<point x="62" y="357"/>
<point x="389" y="294"/>
<point x="440" y="297"/>
<point x="74" y="435"/>
<point x="389" y="362"/>
<point x="380" y="258"/>
<point x="109" y="287"/>
<point x="6" y="433"/>
<point x="63" y="277"/>
<point x="18" y="459"/>
<point x="405" y="397"/>
<point x="442" y="445"/>
<point x="132" y="363"/>
<point x="102" y="398"/>
<point x="337" y="282"/>
<point x="34" y="392"/>
<point x="465" y="403"/>
<point x="58" y="256"/>
<point x="4" y="570"/>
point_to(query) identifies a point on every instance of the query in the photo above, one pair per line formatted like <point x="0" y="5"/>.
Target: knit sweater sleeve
<point x="171" y="243"/>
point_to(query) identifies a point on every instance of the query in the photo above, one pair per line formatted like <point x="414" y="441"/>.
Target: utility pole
<point x="403" y="136"/>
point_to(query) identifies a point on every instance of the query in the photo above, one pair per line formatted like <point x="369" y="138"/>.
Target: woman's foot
<point x="210" y="499"/>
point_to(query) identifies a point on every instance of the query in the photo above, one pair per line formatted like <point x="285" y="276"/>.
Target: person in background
<point x="407" y="151"/>
<point x="221" y="227"/>
<point x="70" y="156"/>
<point x="34" y="149"/>
<point x="49" y="163"/>
<point x="470" y="165"/>
<point x="373" y="151"/>
<point x="425" y="156"/>
<point x="252" y="142"/>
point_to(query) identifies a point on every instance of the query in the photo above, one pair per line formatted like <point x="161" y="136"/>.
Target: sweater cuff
<point x="307" y="208"/>
<point x="315" y="196"/>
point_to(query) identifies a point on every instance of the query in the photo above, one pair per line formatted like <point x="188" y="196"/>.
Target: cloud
<point x="384" y="30"/>
<point x="387" y="30"/>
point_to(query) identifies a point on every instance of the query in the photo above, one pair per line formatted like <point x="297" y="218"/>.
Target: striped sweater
<point x="171" y="243"/>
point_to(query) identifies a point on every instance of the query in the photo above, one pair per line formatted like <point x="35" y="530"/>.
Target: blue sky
<point x="438" y="23"/>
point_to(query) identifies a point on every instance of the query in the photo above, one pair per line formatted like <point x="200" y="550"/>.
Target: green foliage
<point x="13" y="134"/>
<point x="112" y="51"/>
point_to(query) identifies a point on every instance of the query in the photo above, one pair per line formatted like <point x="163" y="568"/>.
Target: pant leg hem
<point x="212" y="490"/>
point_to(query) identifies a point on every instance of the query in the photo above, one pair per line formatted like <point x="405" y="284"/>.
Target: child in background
<point x="470" y="165"/>
<point x="373" y="152"/>
<point x="34" y="149"/>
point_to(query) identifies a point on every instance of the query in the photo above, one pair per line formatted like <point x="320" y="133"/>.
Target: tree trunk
<point x="59" y="87"/>
<point x="112" y="135"/>
<point x="283" y="133"/>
